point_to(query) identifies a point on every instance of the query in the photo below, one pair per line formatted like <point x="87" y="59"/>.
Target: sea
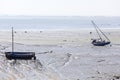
<point x="57" y="22"/>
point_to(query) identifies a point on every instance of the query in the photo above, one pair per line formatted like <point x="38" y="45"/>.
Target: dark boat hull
<point x="20" y="55"/>
<point x="100" y="43"/>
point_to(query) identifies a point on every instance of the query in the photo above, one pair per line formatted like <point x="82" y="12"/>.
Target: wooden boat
<point x="19" y="55"/>
<point x="100" y="41"/>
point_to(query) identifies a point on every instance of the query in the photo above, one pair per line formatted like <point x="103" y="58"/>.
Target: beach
<point x="61" y="55"/>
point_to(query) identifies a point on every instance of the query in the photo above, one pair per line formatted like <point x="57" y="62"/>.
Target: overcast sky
<point x="60" y="7"/>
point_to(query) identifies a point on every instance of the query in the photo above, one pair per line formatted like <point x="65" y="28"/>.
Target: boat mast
<point x="102" y="32"/>
<point x="12" y="40"/>
<point x="96" y="30"/>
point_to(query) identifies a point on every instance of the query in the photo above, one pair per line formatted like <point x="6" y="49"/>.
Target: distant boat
<point x="100" y="41"/>
<point x="19" y="55"/>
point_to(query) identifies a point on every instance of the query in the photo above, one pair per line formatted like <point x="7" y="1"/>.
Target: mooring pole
<point x="12" y="40"/>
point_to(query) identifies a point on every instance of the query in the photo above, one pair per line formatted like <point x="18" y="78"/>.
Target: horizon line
<point x="59" y="16"/>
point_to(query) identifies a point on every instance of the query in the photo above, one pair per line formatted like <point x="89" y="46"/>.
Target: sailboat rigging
<point x="100" y="41"/>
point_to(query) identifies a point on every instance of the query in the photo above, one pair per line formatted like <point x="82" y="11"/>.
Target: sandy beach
<point x="61" y="55"/>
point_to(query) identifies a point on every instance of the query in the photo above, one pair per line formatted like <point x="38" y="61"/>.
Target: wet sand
<point x="61" y="55"/>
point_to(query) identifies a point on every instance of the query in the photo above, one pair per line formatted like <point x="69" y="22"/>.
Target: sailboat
<point x="100" y="41"/>
<point x="19" y="55"/>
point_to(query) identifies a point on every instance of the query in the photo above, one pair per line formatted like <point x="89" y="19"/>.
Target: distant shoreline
<point x="59" y="29"/>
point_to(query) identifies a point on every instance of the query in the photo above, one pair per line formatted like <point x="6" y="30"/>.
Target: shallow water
<point x="57" y="22"/>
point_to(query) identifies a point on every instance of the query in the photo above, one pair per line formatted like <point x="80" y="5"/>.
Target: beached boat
<point x="100" y="41"/>
<point x="19" y="55"/>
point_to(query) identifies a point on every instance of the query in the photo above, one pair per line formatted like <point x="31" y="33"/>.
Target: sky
<point x="60" y="7"/>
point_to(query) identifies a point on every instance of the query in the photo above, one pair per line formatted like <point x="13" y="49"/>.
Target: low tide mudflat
<point x="61" y="55"/>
